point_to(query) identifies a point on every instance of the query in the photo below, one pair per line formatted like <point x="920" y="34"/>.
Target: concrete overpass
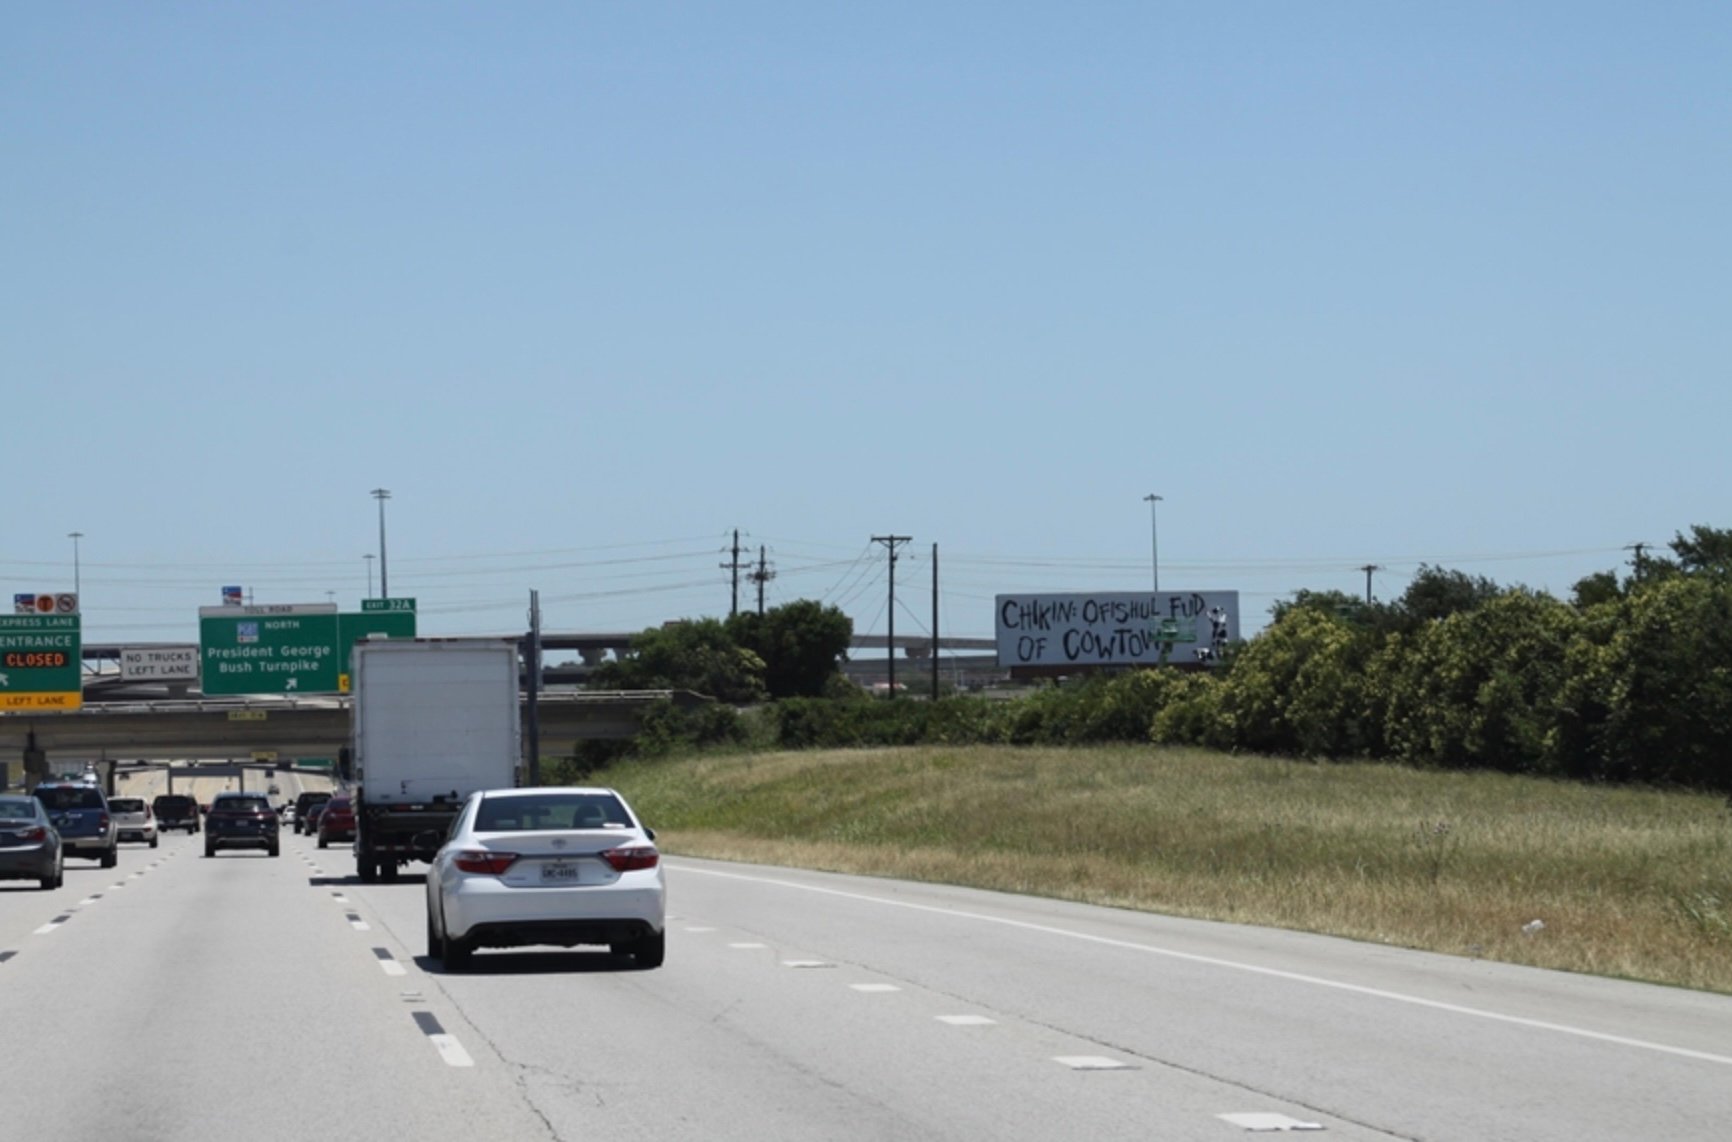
<point x="225" y="729"/>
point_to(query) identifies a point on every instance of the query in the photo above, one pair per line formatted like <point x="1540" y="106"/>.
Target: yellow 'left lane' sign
<point x="70" y="700"/>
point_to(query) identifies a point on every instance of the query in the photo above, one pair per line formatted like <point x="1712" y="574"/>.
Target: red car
<point x="337" y="820"/>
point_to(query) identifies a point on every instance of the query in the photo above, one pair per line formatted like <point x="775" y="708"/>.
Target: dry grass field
<point x="1623" y="882"/>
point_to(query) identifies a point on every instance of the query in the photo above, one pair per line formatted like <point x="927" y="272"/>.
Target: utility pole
<point x="935" y="622"/>
<point x="77" y="584"/>
<point x="1154" y="542"/>
<point x="761" y="576"/>
<point x="1636" y="562"/>
<point x="892" y="542"/>
<point x="382" y="494"/>
<point x="733" y="565"/>
<point x="1368" y="569"/>
<point x="532" y="687"/>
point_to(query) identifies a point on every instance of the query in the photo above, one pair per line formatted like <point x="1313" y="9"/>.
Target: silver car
<point x="29" y="846"/>
<point x="558" y="865"/>
<point x="133" y="819"/>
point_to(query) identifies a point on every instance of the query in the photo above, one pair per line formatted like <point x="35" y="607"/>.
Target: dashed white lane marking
<point x="806" y="964"/>
<point x="874" y="988"/>
<point x="1233" y="965"/>
<point x="389" y="965"/>
<point x="88" y="900"/>
<point x="1259" y="1121"/>
<point x="1092" y="1063"/>
<point x="447" y="1045"/>
<point x="967" y="1020"/>
<point x="357" y="923"/>
<point x="451" y="1051"/>
<point x="53" y="925"/>
<point x="700" y="929"/>
<point x="748" y="947"/>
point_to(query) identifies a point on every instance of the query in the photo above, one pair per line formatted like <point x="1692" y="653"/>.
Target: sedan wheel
<point x="651" y="950"/>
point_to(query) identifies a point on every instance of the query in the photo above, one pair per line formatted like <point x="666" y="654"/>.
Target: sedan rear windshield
<point x="70" y="797"/>
<point x="550" y="811"/>
<point x="241" y="805"/>
<point x="17" y="809"/>
<point x="126" y="805"/>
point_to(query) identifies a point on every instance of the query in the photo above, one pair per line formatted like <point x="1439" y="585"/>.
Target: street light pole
<point x="382" y="494"/>
<point x="75" y="536"/>
<point x="1154" y="541"/>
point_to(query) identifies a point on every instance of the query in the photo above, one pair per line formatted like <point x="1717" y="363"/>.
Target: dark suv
<point x="304" y="806"/>
<point x="240" y="821"/>
<point x="80" y="815"/>
<point x="175" y="811"/>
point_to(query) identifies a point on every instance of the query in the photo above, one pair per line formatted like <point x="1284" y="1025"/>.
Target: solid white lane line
<point x="1233" y="965"/>
<point x="748" y="947"/>
<point x="806" y="964"/>
<point x="874" y="988"/>
<point x="967" y="1020"/>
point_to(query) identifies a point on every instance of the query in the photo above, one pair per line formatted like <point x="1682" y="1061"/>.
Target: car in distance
<point x="79" y="813"/>
<point x="30" y="848"/>
<point x="552" y="865"/>
<point x="305" y="805"/>
<point x="133" y="820"/>
<point x="240" y="821"/>
<point x="175" y="811"/>
<point x="337" y="820"/>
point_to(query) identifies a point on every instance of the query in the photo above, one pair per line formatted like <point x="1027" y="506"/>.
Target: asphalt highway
<point x="183" y="998"/>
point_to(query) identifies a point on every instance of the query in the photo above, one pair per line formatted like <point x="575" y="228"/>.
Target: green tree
<point x="1667" y="693"/>
<point x="694" y="655"/>
<point x="1437" y="594"/>
<point x="1479" y="688"/>
<point x="1299" y="687"/>
<point x="1707" y="551"/>
<point x="802" y="645"/>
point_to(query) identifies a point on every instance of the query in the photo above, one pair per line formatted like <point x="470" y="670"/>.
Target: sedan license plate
<point x="559" y="872"/>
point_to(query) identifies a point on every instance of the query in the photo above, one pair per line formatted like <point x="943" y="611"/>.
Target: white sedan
<point x="562" y="865"/>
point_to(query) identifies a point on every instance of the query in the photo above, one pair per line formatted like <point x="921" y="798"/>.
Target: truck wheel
<point x="368" y="871"/>
<point x="388" y="870"/>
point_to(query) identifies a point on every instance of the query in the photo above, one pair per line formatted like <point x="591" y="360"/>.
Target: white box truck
<point x="434" y="720"/>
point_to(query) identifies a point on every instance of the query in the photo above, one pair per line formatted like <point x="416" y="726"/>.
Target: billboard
<point x="1115" y="628"/>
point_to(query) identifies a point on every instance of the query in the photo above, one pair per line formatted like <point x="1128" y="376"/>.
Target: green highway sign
<point x="41" y="662"/>
<point x="283" y="649"/>
<point x="396" y="623"/>
<point x="293" y="648"/>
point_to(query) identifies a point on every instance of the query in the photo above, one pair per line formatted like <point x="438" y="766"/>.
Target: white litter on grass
<point x="1533" y="927"/>
<point x="1261" y="1121"/>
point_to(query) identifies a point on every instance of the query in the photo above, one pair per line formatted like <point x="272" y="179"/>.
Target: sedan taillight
<point x="482" y="861"/>
<point x="37" y="834"/>
<point x="632" y="857"/>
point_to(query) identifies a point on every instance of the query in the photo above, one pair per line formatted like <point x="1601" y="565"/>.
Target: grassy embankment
<point x="1630" y="883"/>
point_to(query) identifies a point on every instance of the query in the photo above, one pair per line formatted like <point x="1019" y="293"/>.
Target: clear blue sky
<point x="588" y="286"/>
